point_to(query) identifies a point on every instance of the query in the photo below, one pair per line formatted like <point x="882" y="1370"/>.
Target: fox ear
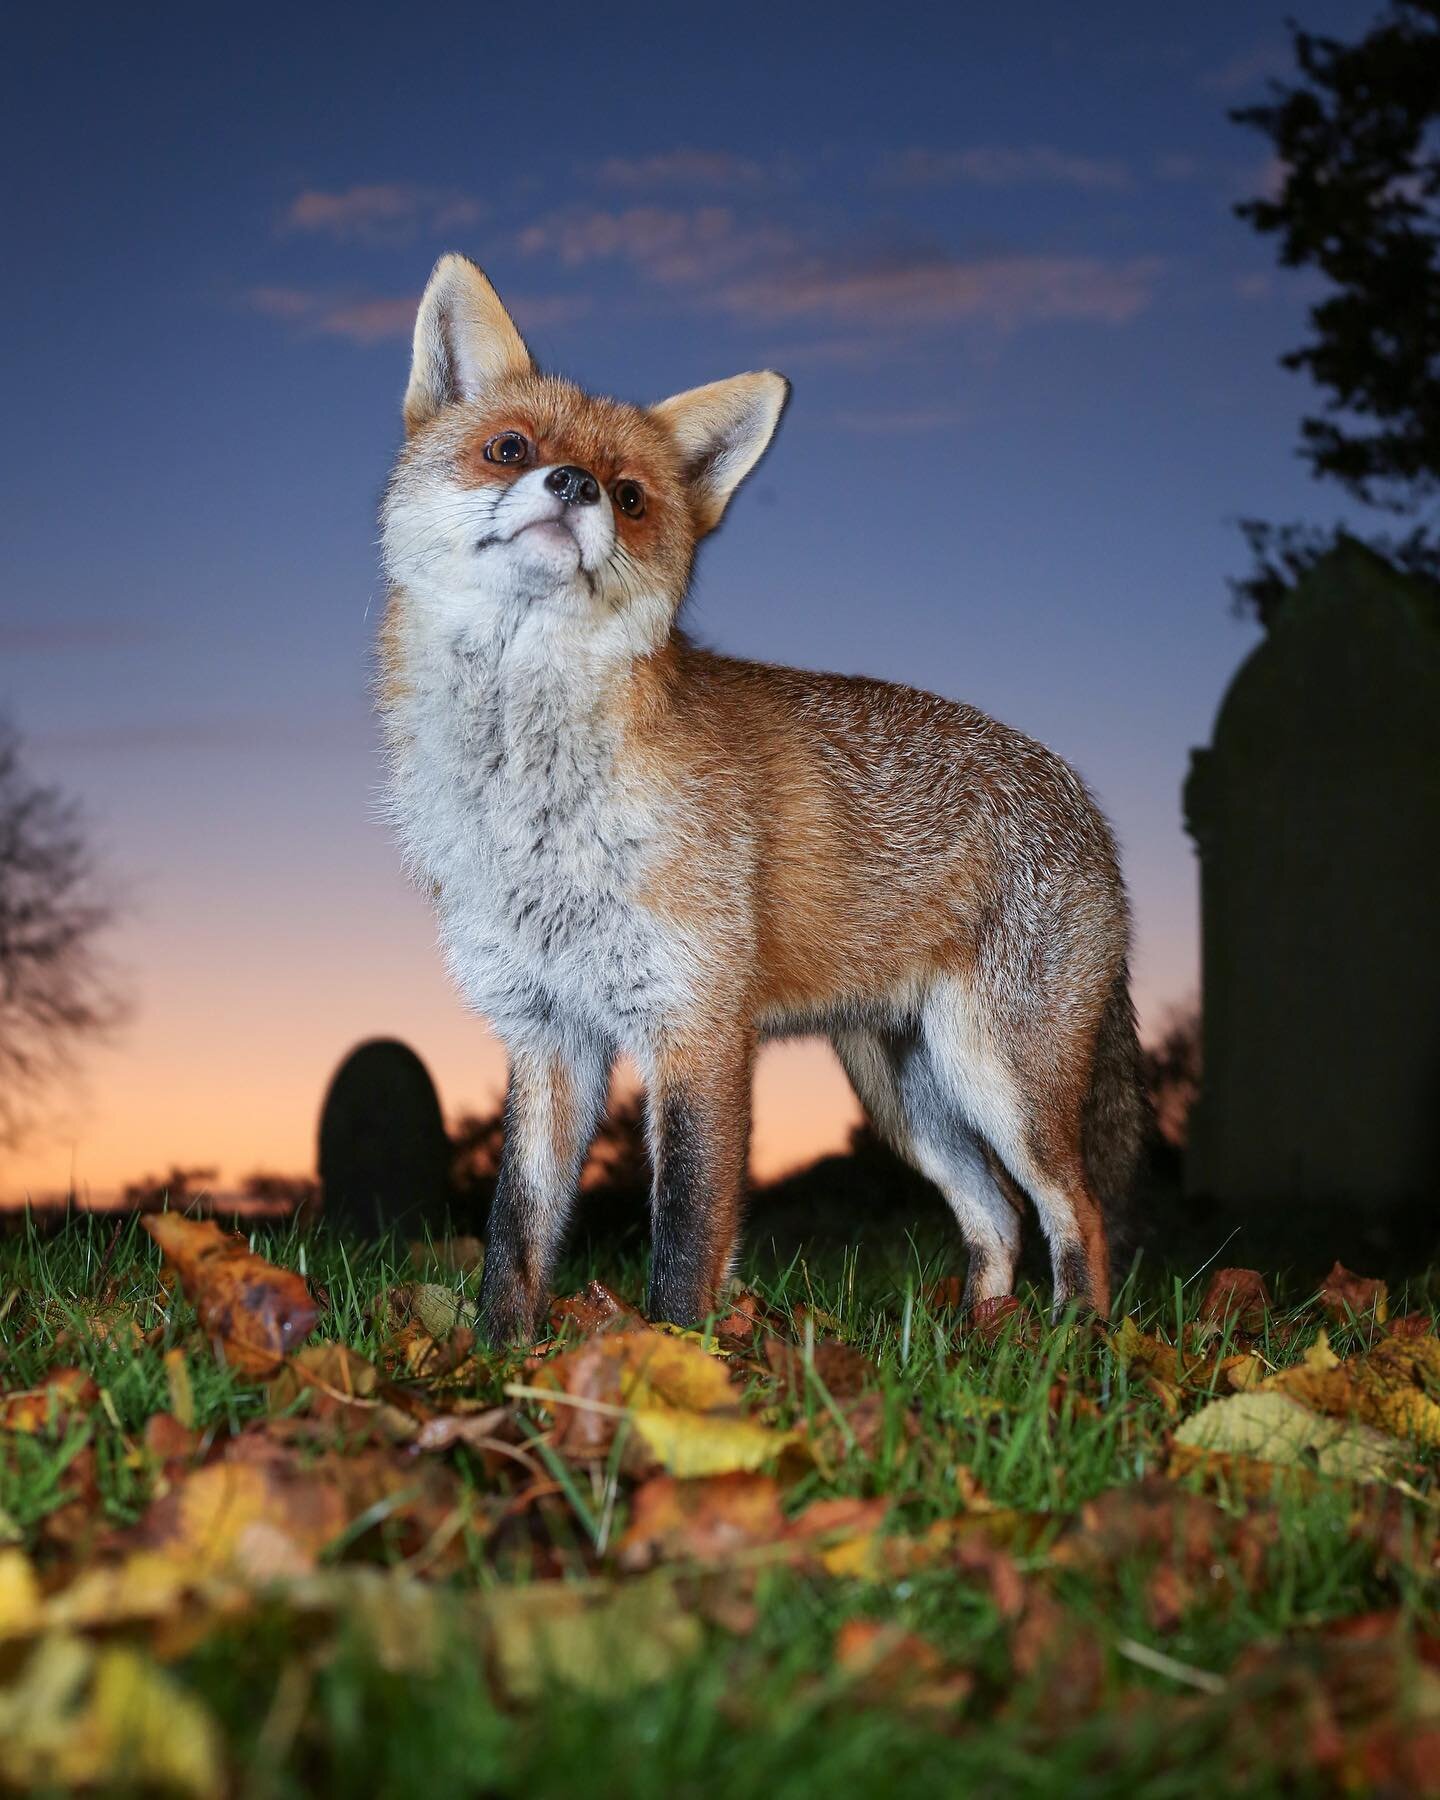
<point x="722" y="431"/>
<point x="464" y="341"/>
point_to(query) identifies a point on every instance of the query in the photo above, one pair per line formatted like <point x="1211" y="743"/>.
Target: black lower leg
<point x="680" y="1223"/>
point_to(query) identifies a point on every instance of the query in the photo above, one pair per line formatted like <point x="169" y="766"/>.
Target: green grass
<point x="760" y="1710"/>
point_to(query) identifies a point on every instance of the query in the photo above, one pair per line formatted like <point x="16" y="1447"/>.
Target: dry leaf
<point x="1343" y="1293"/>
<point x="694" y="1444"/>
<point x="1271" y="1427"/>
<point x="594" y="1309"/>
<point x="605" y="1642"/>
<point x="78" y="1717"/>
<point x="1236" y="1296"/>
<point x="50" y="1406"/>
<point x="886" y="1665"/>
<point x="256" y="1313"/>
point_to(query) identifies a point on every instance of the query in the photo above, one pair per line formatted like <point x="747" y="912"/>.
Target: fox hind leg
<point x="1032" y="1121"/>
<point x="913" y="1107"/>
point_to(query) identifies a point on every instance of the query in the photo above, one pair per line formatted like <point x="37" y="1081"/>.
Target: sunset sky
<point x="1034" y="363"/>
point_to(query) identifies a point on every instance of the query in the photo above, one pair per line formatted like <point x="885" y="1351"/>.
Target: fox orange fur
<point x="636" y="845"/>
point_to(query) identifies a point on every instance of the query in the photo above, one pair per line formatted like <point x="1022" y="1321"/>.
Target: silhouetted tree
<point x="53" y="992"/>
<point x="619" y="1159"/>
<point x="1171" y="1069"/>
<point x="177" y="1189"/>
<point x="1357" y="138"/>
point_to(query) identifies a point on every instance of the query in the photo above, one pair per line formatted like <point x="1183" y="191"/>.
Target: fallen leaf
<point x="604" y="1642"/>
<point x="329" y="1370"/>
<point x="1344" y="1293"/>
<point x="693" y="1444"/>
<point x="1391" y="1386"/>
<point x="989" y="1319"/>
<point x="81" y="1717"/>
<point x="884" y="1664"/>
<point x="48" y="1407"/>
<point x="704" y="1521"/>
<point x="1271" y="1427"/>
<point x="1236" y="1297"/>
<point x="181" y="1388"/>
<point x="255" y="1312"/>
<point x="594" y="1308"/>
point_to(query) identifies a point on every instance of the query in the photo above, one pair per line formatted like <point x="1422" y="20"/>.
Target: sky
<point x="1035" y="375"/>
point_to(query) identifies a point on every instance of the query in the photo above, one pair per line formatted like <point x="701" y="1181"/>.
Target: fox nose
<point x="576" y="487"/>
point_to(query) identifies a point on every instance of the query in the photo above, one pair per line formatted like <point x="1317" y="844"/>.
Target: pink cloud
<point x="679" y="168"/>
<point x="386" y="212"/>
<point x="672" y="245"/>
<point x="1001" y="291"/>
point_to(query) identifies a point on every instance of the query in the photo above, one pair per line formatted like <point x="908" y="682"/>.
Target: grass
<point x="1038" y="1427"/>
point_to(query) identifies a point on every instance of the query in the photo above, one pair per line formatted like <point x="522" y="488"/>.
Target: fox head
<point x="519" y="498"/>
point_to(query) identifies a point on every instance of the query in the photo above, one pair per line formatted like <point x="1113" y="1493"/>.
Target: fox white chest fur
<point x="506" y="797"/>
<point x="634" y="845"/>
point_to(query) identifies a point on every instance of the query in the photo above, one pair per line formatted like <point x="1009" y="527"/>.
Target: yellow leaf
<point x="606" y="1644"/>
<point x="19" y="1595"/>
<point x="690" y="1444"/>
<point x="80" y="1717"/>
<point x="1271" y="1427"/>
<point x="182" y="1392"/>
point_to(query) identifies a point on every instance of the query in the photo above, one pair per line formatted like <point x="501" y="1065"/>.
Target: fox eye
<point x="629" y="496"/>
<point x="509" y="448"/>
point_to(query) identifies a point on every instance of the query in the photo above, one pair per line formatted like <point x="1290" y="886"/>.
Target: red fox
<point x="636" y="845"/>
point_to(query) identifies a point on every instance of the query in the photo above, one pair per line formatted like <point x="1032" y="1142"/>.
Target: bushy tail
<point x="1117" y="1113"/>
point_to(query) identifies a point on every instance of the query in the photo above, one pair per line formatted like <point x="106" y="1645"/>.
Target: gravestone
<point x="1316" y="814"/>
<point x="384" y="1154"/>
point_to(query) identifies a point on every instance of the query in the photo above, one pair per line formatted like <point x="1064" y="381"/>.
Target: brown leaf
<point x="256" y="1313"/>
<point x="1411" y="1325"/>
<point x="594" y="1308"/>
<point x="1344" y="1293"/>
<point x="1199" y="1550"/>
<point x="325" y="1377"/>
<point x="705" y="1521"/>
<point x="1236" y="1296"/>
<point x="989" y="1319"/>
<point x="49" y="1407"/>
<point x="887" y="1665"/>
<point x="169" y="1440"/>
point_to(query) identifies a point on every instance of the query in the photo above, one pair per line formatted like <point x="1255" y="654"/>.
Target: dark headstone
<point x="1316" y="813"/>
<point x="384" y="1155"/>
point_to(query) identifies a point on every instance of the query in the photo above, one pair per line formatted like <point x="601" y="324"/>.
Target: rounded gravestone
<point x="384" y="1154"/>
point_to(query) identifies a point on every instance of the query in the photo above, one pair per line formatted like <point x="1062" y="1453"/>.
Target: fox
<point x="636" y="845"/>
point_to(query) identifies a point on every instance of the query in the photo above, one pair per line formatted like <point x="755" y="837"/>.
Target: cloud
<point x="1246" y="68"/>
<point x="1177" y="166"/>
<point x="995" y="165"/>
<point x="1005" y="292"/>
<point x="672" y="245"/>
<point x="765" y="273"/>
<point x="387" y="212"/>
<point x="375" y="319"/>
<point x="679" y="168"/>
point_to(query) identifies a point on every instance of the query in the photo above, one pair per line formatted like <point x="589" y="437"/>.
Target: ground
<point x="272" y="1524"/>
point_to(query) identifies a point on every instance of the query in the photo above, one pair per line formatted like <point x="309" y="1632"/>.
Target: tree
<point x="54" y="993"/>
<point x="1357" y="138"/>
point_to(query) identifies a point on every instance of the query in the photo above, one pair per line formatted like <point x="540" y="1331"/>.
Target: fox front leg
<point x="552" y="1108"/>
<point x="699" y="1114"/>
